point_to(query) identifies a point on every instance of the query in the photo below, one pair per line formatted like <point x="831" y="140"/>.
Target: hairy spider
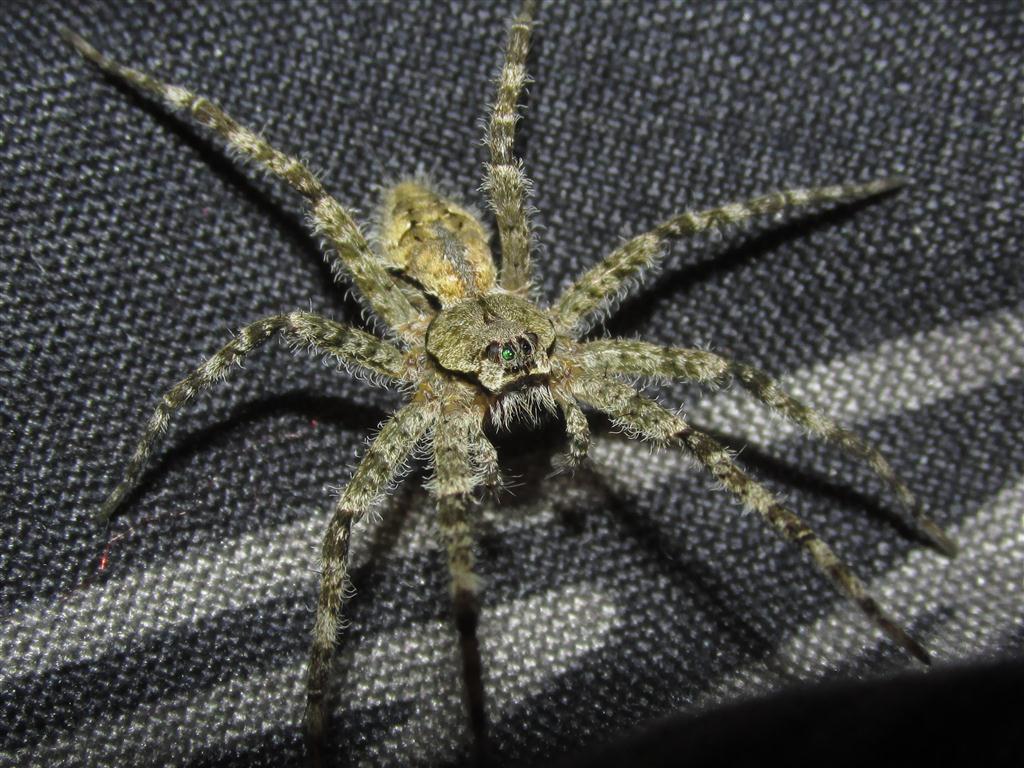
<point x="475" y="352"/>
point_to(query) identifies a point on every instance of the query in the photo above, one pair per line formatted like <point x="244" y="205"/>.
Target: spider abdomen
<point x="436" y="242"/>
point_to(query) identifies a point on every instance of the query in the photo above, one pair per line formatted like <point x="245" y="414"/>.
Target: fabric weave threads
<point x="131" y="244"/>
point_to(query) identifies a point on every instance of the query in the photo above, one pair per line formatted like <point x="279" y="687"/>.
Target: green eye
<point x="507" y="353"/>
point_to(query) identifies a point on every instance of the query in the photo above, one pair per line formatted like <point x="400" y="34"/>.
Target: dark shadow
<point x="633" y="312"/>
<point x="333" y="412"/>
<point x="764" y="465"/>
<point x="231" y="172"/>
<point x="702" y="583"/>
<point x="910" y="720"/>
<point x="527" y="460"/>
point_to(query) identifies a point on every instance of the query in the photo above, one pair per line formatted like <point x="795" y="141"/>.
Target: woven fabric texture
<point x="132" y="244"/>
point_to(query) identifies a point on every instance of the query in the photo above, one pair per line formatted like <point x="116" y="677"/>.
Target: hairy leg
<point x="639" y="358"/>
<point x="350" y="345"/>
<point x="458" y="430"/>
<point x="356" y="257"/>
<point x="381" y="464"/>
<point x="485" y="458"/>
<point x="506" y="183"/>
<point x="607" y="280"/>
<point x="643" y="416"/>
<point x="576" y="428"/>
<point x="626" y="357"/>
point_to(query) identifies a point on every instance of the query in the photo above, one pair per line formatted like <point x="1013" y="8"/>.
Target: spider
<point x="475" y="353"/>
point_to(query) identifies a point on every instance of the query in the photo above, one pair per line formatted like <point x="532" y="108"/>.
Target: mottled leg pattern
<point x="374" y="282"/>
<point x="350" y="345"/>
<point x="334" y="589"/>
<point x="610" y="277"/>
<point x="485" y="458"/>
<point x="638" y="358"/>
<point x="717" y="460"/>
<point x="381" y="465"/>
<point x="457" y="477"/>
<point x="636" y="413"/>
<point x="506" y="183"/>
<point x="626" y="357"/>
<point x="765" y="389"/>
<point x="576" y="428"/>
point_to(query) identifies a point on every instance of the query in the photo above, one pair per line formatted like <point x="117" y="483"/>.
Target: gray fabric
<point x="132" y="243"/>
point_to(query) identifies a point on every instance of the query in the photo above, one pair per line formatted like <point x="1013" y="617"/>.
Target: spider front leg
<point x="349" y="345"/>
<point x="638" y="358"/>
<point x="631" y="410"/>
<point x="355" y="256"/>
<point x="506" y="183"/>
<point x="610" y="278"/>
<point x="458" y="432"/>
<point x="381" y="464"/>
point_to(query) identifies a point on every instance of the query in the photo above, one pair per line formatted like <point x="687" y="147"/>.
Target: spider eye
<point x="507" y="353"/>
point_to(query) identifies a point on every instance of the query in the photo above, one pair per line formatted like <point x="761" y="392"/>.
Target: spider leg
<point x="642" y="416"/>
<point x="350" y="345"/>
<point x="380" y="466"/>
<point x="354" y="253"/>
<point x="506" y="183"/>
<point x="638" y="358"/>
<point x="458" y="430"/>
<point x="485" y="457"/>
<point x="577" y="429"/>
<point x="607" y="280"/>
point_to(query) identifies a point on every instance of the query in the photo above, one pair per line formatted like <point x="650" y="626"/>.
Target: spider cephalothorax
<point x="499" y="340"/>
<point x="469" y="346"/>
